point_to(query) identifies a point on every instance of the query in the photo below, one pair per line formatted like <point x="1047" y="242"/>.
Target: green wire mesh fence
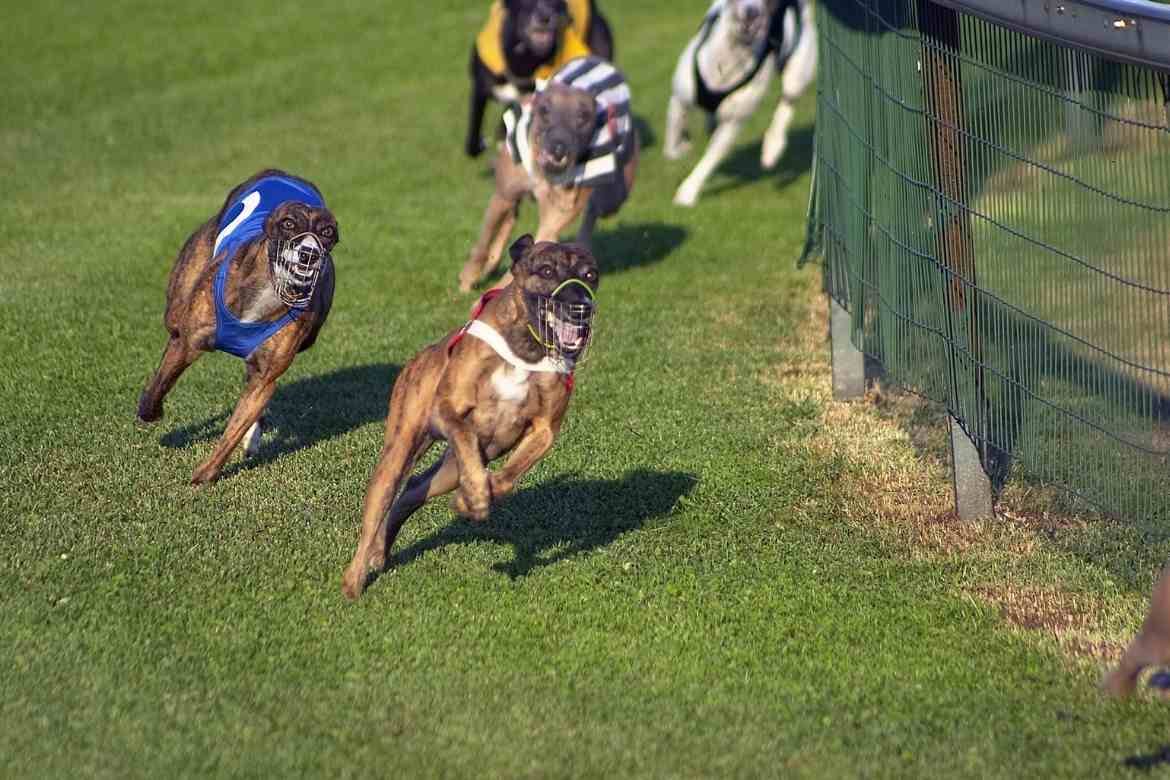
<point x="993" y="211"/>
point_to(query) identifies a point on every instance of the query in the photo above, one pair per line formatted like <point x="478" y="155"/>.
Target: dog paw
<point x="474" y="147"/>
<point x="353" y="582"/>
<point x="687" y="195"/>
<point x="204" y="475"/>
<point x="677" y="152"/>
<point x="252" y="438"/>
<point x="476" y="510"/>
<point x="771" y="154"/>
<point x="148" y="413"/>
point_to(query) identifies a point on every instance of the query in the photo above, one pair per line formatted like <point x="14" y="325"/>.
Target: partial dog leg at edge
<point x="776" y="138"/>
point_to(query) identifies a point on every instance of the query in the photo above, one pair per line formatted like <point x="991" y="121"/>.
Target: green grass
<point x="687" y="586"/>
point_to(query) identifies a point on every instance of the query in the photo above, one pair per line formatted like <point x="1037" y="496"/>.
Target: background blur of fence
<point x="992" y="203"/>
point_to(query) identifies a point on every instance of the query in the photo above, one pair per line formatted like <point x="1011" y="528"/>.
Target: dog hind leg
<point x="442" y="477"/>
<point x="717" y="150"/>
<point x="177" y="357"/>
<point x="405" y="438"/>
<point x="256" y="432"/>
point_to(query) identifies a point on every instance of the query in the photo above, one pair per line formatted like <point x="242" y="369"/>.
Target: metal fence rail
<point x="992" y="202"/>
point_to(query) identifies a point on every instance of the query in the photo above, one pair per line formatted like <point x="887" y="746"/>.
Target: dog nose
<point x="559" y="150"/>
<point x="751" y="12"/>
<point x="309" y="255"/>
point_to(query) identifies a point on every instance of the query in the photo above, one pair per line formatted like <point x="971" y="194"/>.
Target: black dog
<point x="527" y="40"/>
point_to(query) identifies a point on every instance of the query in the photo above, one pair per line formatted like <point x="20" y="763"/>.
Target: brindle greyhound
<point x="486" y="395"/>
<point x="256" y="281"/>
<point x="563" y="126"/>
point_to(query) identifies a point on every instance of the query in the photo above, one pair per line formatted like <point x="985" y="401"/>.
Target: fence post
<point x="956" y="252"/>
<point x="848" y="360"/>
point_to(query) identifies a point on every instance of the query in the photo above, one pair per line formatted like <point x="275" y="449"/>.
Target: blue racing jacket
<point x="242" y="222"/>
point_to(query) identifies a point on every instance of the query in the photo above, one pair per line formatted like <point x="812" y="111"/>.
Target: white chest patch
<point x="510" y="383"/>
<point x="506" y="93"/>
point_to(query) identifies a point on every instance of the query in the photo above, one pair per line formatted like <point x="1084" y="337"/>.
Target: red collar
<point x="477" y="310"/>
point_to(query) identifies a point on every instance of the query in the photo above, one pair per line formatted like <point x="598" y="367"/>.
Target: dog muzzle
<point x="295" y="266"/>
<point x="565" y="328"/>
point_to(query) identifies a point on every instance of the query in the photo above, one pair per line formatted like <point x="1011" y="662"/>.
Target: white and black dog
<point x="726" y="69"/>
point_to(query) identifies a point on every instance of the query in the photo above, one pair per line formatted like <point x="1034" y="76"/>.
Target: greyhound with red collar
<point x="725" y="70"/>
<point x="498" y="386"/>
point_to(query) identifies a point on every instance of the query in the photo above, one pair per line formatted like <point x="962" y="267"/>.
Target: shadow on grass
<point x="744" y="163"/>
<point x="647" y="138"/>
<point x="636" y="245"/>
<point x="305" y="412"/>
<point x="1146" y="762"/>
<point x="563" y="517"/>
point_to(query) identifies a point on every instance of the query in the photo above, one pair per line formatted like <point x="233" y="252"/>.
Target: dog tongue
<point x="569" y="335"/>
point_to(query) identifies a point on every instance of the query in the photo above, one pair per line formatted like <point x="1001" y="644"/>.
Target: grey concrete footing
<point x="973" y="496"/>
<point x="848" y="360"/>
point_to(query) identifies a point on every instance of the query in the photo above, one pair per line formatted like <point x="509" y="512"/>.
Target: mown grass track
<point x="687" y="586"/>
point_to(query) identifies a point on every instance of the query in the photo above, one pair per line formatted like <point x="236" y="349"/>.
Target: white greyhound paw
<point x="772" y="152"/>
<point x="252" y="439"/>
<point x="678" y="151"/>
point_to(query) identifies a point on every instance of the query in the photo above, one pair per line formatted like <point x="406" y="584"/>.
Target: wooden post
<point x="956" y="252"/>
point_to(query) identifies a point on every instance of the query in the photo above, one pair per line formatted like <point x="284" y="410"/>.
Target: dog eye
<point x="546" y="271"/>
<point x="328" y="232"/>
<point x="542" y="109"/>
<point x="584" y="118"/>
<point x="288" y="224"/>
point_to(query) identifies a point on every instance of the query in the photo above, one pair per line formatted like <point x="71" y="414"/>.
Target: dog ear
<point x="272" y="224"/>
<point x="519" y="250"/>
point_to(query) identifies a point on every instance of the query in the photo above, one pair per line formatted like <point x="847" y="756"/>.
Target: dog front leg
<point x="776" y="139"/>
<point x="558" y="210"/>
<point x="588" y="222"/>
<point x="676" y="144"/>
<point x="176" y="358"/>
<point x="717" y="150"/>
<point x="255" y="397"/>
<point x="500" y="214"/>
<point x="474" y="498"/>
<point x="527" y="453"/>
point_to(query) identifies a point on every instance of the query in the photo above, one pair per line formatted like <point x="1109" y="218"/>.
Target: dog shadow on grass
<point x="622" y="247"/>
<point x="635" y="245"/>
<point x="564" y="517"/>
<point x="744" y="163"/>
<point x="304" y="412"/>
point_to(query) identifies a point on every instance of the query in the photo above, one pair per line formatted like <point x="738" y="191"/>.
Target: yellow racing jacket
<point x="570" y="43"/>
